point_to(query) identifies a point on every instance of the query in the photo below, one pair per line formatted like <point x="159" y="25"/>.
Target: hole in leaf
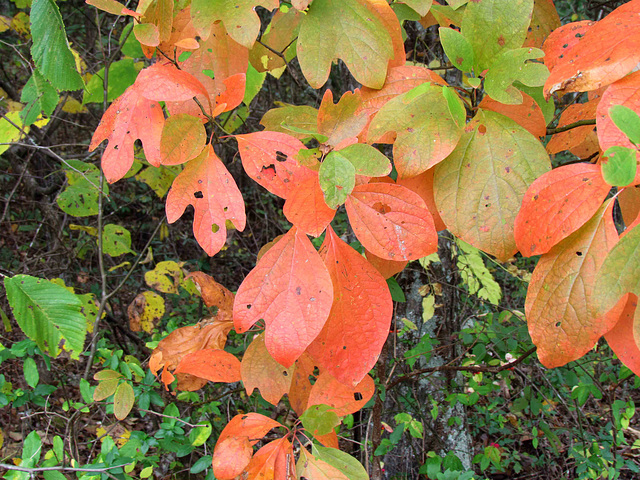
<point x="357" y="396"/>
<point x="579" y="254"/>
<point x="281" y="157"/>
<point x="558" y="324"/>
<point x="249" y="306"/>
<point x="215" y="228"/>
<point x="285" y="373"/>
<point x="198" y="194"/>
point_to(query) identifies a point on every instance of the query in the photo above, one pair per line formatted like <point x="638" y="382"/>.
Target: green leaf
<point x="131" y="47"/>
<point x="319" y="419"/>
<point x="426" y="130"/>
<point x="342" y="461"/>
<point x="50" y="49"/>
<point x="30" y="370"/>
<point x="619" y="274"/>
<point x="85" y="391"/>
<point x="201" y="465"/>
<point x="337" y="178"/>
<point x="199" y="435"/>
<point x="105" y="389"/>
<point x="107" y="374"/>
<point x="8" y="132"/>
<point x="122" y="74"/>
<point x="619" y="166"/>
<point x="475" y="275"/>
<point x="349" y="30"/>
<point x="457" y="48"/>
<point x="367" y="160"/>
<point x="148" y="471"/>
<point x="548" y="107"/>
<point x="420" y="6"/>
<point x="159" y="179"/>
<point x="255" y="79"/>
<point x="80" y="198"/>
<point x="627" y="121"/>
<point x="39" y="96"/>
<point x="397" y="295"/>
<point x="31" y="449"/>
<point x="53" y="475"/>
<point x="47" y="313"/>
<point x="116" y="240"/>
<point x="303" y="117"/>
<point x="511" y="66"/>
<point x="123" y="400"/>
<point x="491" y="26"/>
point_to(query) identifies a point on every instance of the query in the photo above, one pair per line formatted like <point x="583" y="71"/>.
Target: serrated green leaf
<point x="50" y="50"/>
<point x="457" y="48"/>
<point x="492" y="26"/>
<point x="342" y="461"/>
<point x="345" y="29"/>
<point x="39" y="96"/>
<point x="123" y="400"/>
<point x="47" y="313"/>
<point x="122" y="74"/>
<point x="367" y="160"/>
<point x="116" y="240"/>
<point x="30" y="370"/>
<point x="619" y="166"/>
<point x="511" y="66"/>
<point x="627" y="121"/>
<point x="319" y="419"/>
<point x="337" y="178"/>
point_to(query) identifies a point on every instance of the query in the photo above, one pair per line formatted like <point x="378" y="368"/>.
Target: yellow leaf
<point x="90" y="230"/>
<point x="5" y="24"/>
<point x="71" y="105"/>
<point x="20" y="23"/>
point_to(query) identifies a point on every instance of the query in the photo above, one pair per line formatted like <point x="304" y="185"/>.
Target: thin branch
<point x="169" y="416"/>
<point x="59" y="468"/>
<point x="579" y="123"/>
<point x="459" y="368"/>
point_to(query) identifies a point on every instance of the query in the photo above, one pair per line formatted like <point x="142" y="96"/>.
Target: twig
<point x="579" y="123"/>
<point x="169" y="416"/>
<point x="59" y="468"/>
<point x="459" y="368"/>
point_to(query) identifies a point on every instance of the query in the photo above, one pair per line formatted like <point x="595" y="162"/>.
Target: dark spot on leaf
<point x="482" y="129"/>
<point x="249" y="306"/>
<point x="298" y="290"/>
<point x="285" y="373"/>
<point x="381" y="208"/>
<point x="198" y="194"/>
<point x="579" y="254"/>
<point x="558" y="324"/>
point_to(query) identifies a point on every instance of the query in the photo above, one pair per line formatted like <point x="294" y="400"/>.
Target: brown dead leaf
<point x="213" y="294"/>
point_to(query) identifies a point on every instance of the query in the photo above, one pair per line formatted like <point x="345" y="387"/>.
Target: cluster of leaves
<point x="478" y="168"/>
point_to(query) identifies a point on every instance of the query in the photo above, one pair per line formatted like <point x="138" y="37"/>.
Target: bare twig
<point x="579" y="123"/>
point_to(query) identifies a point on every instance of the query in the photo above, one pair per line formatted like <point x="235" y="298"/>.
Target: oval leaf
<point x="123" y="400"/>
<point x="214" y="365"/>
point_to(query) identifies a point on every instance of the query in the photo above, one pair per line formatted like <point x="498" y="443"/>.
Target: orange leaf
<point x="629" y="200"/>
<point x="576" y="136"/>
<point x="306" y="209"/>
<point x="252" y="426"/>
<point x="561" y="40"/>
<point x="274" y="461"/>
<point x="206" y="184"/>
<point x="358" y="325"/>
<point x="214" y="365"/>
<point x="344" y="399"/>
<point x="260" y="370"/>
<point x="269" y="159"/>
<point x="165" y="82"/>
<point x="213" y="294"/>
<point x="329" y="440"/>
<point x="339" y="122"/>
<point x="606" y="52"/>
<point x="391" y="221"/>
<point x="556" y="205"/>
<point x="300" y="384"/>
<point x="622" y="337"/>
<point x="387" y="268"/>
<point x="390" y="21"/>
<point x="423" y="185"/>
<point x="129" y="118"/>
<point x="559" y="305"/>
<point x="291" y="290"/>
<point x="231" y="457"/>
<point x="528" y="114"/>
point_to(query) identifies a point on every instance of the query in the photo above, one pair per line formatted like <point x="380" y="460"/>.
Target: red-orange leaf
<point x="390" y="21"/>
<point x="606" y="52"/>
<point x="269" y="158"/>
<point x="206" y="184"/>
<point x="391" y="221"/>
<point x="556" y="205"/>
<point x="253" y="426"/>
<point x="629" y="201"/>
<point x="574" y="137"/>
<point x="561" y="40"/>
<point x="274" y="461"/>
<point x="306" y="209"/>
<point x="300" y="384"/>
<point x="165" y="82"/>
<point x="129" y="118"/>
<point x="423" y="185"/>
<point x="387" y="268"/>
<point x="214" y="365"/>
<point x="290" y="289"/>
<point x="559" y="305"/>
<point x="623" y="92"/>
<point x="231" y="457"/>
<point x="621" y="338"/>
<point x="339" y="122"/>
<point x="358" y="324"/>
<point x="344" y="399"/>
<point x="528" y="114"/>
<point x="260" y="370"/>
<point x="213" y="294"/>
